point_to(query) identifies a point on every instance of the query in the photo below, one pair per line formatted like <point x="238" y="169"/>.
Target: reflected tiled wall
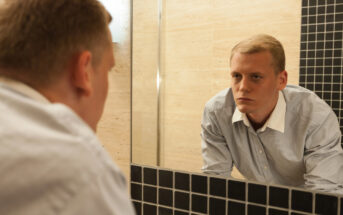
<point x="321" y="51"/>
<point x="157" y="191"/>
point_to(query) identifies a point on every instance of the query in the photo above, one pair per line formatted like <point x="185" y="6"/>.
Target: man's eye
<point x="236" y="75"/>
<point x="256" y="77"/>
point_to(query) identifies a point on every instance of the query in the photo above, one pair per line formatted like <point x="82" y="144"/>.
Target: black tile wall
<point x="199" y="203"/>
<point x="321" y="51"/>
<point x="207" y="194"/>
<point x="176" y="212"/>
<point x="165" y="178"/>
<point x="256" y="210"/>
<point x="182" y="181"/>
<point x="217" y="206"/>
<point x="218" y="187"/>
<point x="236" y="208"/>
<point x="302" y="201"/>
<point x="150" y="176"/>
<point x="150" y="194"/>
<point x="181" y="200"/>
<point x="165" y="211"/>
<point x="279" y="197"/>
<point x="258" y="193"/>
<point x="136" y="173"/>
<point x="165" y="197"/>
<point x="199" y="184"/>
<point x="326" y="204"/>
<point x="273" y="211"/>
<point x="149" y="209"/>
<point x="236" y="190"/>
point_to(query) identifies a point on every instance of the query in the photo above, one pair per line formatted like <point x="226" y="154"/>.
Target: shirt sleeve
<point x="215" y="152"/>
<point x="324" y="157"/>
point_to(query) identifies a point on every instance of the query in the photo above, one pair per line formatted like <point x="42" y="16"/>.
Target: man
<point x="54" y="63"/>
<point x="270" y="131"/>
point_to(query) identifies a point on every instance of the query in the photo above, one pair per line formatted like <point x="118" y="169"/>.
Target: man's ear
<point x="81" y="74"/>
<point x="282" y="79"/>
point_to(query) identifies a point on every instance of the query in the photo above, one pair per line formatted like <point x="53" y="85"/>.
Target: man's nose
<point x="244" y="85"/>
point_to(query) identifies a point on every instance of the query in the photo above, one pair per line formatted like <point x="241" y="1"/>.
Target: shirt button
<point x="265" y="167"/>
<point x="260" y="151"/>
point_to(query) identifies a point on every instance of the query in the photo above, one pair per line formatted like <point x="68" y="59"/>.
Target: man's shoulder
<point x="223" y="100"/>
<point x="305" y="103"/>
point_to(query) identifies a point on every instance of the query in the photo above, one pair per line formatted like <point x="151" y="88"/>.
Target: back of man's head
<point x="263" y="42"/>
<point x="39" y="37"/>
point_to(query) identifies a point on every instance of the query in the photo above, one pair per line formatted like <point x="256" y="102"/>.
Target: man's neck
<point x="257" y="124"/>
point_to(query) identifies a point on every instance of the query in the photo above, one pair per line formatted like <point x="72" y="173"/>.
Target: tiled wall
<point x="321" y="51"/>
<point x="157" y="191"/>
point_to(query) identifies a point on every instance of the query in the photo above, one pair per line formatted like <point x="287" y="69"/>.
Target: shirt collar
<point x="276" y="120"/>
<point x="24" y="89"/>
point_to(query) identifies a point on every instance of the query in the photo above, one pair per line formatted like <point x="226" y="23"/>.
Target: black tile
<point x="312" y="2"/>
<point x="136" y="173"/>
<point x="257" y="193"/>
<point x="235" y="208"/>
<point x="326" y="205"/>
<point x="199" y="184"/>
<point x="294" y="213"/>
<point x="136" y="191"/>
<point x="329" y="18"/>
<point x="165" y="197"/>
<point x="176" y="212"/>
<point x="321" y="10"/>
<point x="304" y="3"/>
<point x="150" y="176"/>
<point x="321" y="18"/>
<point x="302" y="201"/>
<point x="218" y="187"/>
<point x="164" y="211"/>
<point x="277" y="212"/>
<point x="149" y="209"/>
<point x="339" y="17"/>
<point x="329" y="36"/>
<point x="217" y="206"/>
<point x="181" y="200"/>
<point x="199" y="203"/>
<point x="137" y="207"/>
<point x="256" y="210"/>
<point x="329" y="9"/>
<point x="165" y="178"/>
<point x="278" y="197"/>
<point x="312" y="11"/>
<point x="181" y="181"/>
<point x="304" y="11"/>
<point x="312" y="28"/>
<point x="150" y="194"/>
<point x="236" y="190"/>
<point x="339" y="7"/>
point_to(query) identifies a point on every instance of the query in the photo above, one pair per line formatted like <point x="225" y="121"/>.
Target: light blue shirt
<point x="299" y="145"/>
<point x="51" y="162"/>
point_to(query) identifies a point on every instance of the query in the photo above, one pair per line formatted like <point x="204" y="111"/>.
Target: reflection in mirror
<point x="189" y="48"/>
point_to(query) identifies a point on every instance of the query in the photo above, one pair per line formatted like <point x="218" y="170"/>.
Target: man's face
<point x="100" y="85"/>
<point x="255" y="85"/>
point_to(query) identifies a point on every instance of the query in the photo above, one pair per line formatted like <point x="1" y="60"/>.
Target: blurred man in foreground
<point x="54" y="61"/>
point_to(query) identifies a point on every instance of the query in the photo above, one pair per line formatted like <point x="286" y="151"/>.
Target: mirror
<point x="180" y="52"/>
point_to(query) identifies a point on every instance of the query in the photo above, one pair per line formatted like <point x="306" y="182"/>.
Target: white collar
<point x="276" y="120"/>
<point x="24" y="89"/>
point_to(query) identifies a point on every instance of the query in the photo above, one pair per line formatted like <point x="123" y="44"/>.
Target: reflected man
<point x="55" y="56"/>
<point x="272" y="132"/>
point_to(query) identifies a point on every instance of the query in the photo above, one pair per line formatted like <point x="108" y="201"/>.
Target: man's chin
<point x="243" y="109"/>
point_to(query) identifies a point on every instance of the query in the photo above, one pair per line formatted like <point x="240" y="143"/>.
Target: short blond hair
<point x="39" y="37"/>
<point x="260" y="43"/>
